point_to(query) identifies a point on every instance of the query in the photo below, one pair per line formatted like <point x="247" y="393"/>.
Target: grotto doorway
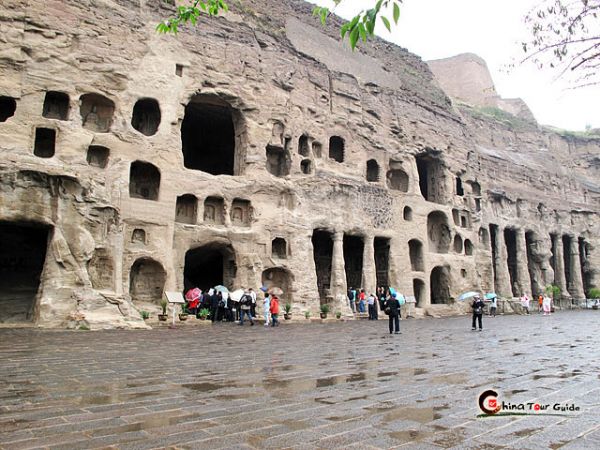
<point x="282" y="278"/>
<point x="208" y="266"/>
<point x="22" y="255"/>
<point x="208" y="135"/>
<point x="382" y="261"/>
<point x="322" y="242"/>
<point x="353" y="260"/>
<point x="510" y="238"/>
<point x="147" y="281"/>
<point x="439" y="286"/>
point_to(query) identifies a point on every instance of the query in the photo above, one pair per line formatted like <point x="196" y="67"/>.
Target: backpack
<point x="246" y="300"/>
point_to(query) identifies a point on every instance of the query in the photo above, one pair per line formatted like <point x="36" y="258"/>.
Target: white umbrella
<point x="466" y="295"/>
<point x="236" y="295"/>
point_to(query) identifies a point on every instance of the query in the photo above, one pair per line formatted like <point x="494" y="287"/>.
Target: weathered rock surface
<point x="256" y="149"/>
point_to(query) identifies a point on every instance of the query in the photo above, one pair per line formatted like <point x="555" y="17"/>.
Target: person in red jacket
<point x="274" y="310"/>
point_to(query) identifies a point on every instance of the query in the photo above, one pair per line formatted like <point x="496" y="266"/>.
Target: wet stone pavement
<point x="335" y="385"/>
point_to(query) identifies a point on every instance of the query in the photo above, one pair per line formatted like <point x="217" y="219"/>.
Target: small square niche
<point x="97" y="156"/>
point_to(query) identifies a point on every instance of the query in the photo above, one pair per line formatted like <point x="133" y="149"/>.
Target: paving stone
<point x="105" y="389"/>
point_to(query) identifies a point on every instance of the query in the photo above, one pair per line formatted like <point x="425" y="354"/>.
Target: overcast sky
<point x="494" y="30"/>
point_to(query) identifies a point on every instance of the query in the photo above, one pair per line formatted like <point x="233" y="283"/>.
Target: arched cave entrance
<point x="22" y="255"/>
<point x="439" y="285"/>
<point x="208" y="136"/>
<point x="282" y="278"/>
<point x="147" y="281"/>
<point x="209" y="265"/>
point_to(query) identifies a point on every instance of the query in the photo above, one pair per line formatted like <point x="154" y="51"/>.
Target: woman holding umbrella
<point x="477" y="312"/>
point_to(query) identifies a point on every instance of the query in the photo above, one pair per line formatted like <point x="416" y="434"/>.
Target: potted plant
<point x="145" y="315"/>
<point x="203" y="313"/>
<point x="324" y="311"/>
<point x="164" y="316"/>
<point x="338" y="315"/>
<point x="307" y="315"/>
<point x="183" y="315"/>
<point x="287" y="315"/>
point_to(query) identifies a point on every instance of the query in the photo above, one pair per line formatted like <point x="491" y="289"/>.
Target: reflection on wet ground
<point x="300" y="386"/>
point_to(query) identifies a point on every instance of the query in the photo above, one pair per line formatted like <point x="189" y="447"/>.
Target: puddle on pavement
<point x="525" y="432"/>
<point x="453" y="378"/>
<point x="450" y="439"/>
<point x="421" y="415"/>
<point x="517" y="391"/>
<point x="241" y="396"/>
<point x="116" y="398"/>
<point x="203" y="387"/>
<point x="386" y="374"/>
<point x="408" y="436"/>
<point x="352" y="399"/>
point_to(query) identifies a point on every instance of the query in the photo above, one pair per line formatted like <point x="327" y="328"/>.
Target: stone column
<point x="523" y="280"/>
<point x="369" y="275"/>
<point x="338" y="276"/>
<point x="576" y="286"/>
<point x="503" y="287"/>
<point x="559" y="267"/>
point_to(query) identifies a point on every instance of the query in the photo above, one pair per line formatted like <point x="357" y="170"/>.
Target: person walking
<point x="547" y="305"/>
<point x="267" y="309"/>
<point x="540" y="303"/>
<point x="371" y="306"/>
<point x="351" y="297"/>
<point x="361" y="301"/>
<point x="525" y="303"/>
<point x="214" y="305"/>
<point x="274" y="311"/>
<point x="477" y="312"/>
<point x="246" y="305"/>
<point x="392" y="309"/>
<point x="253" y="306"/>
<point x="493" y="306"/>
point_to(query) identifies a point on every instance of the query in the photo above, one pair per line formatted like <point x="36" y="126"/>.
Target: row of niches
<point x="44" y="146"/>
<point x="214" y="211"/>
<point x="96" y="111"/>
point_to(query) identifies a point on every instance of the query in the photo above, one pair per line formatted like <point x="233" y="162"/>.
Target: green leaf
<point x="362" y="32"/>
<point x="386" y="22"/>
<point x="396" y="13"/>
<point x="353" y="37"/>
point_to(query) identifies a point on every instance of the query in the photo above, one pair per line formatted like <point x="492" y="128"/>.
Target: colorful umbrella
<point x="490" y="295"/>
<point x="236" y="295"/>
<point x="221" y="288"/>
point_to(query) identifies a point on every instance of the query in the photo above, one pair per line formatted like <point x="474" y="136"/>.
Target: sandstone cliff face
<point x="467" y="78"/>
<point x="257" y="150"/>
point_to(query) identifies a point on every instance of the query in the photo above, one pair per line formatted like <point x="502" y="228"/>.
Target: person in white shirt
<point x="267" y="309"/>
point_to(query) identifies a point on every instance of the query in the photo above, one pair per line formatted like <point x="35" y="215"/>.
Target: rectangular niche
<point x="45" y="141"/>
<point x="240" y="212"/>
<point x="56" y="105"/>
<point x="186" y="210"/>
<point x="214" y="209"/>
<point x="97" y="156"/>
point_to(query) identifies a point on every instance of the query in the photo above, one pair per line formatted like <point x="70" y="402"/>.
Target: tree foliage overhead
<point x="565" y="35"/>
<point x="360" y="26"/>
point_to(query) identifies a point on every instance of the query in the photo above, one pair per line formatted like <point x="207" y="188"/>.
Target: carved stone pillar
<point x="576" y="285"/>
<point x="338" y="276"/>
<point x="369" y="275"/>
<point x="559" y="267"/>
<point x="503" y="287"/>
<point x="523" y="279"/>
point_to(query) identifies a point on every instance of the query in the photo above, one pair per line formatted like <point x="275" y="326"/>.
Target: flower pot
<point x="183" y="317"/>
<point x="202" y="317"/>
<point x="323" y="315"/>
<point x="287" y="316"/>
<point x="163" y="317"/>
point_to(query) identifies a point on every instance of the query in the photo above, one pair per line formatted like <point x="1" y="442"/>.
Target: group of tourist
<point x="222" y="308"/>
<point x="545" y="305"/>
<point x="385" y="299"/>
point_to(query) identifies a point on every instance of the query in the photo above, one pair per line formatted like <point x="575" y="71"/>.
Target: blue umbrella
<point x="490" y="295"/>
<point x="392" y="291"/>
<point x="466" y="295"/>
